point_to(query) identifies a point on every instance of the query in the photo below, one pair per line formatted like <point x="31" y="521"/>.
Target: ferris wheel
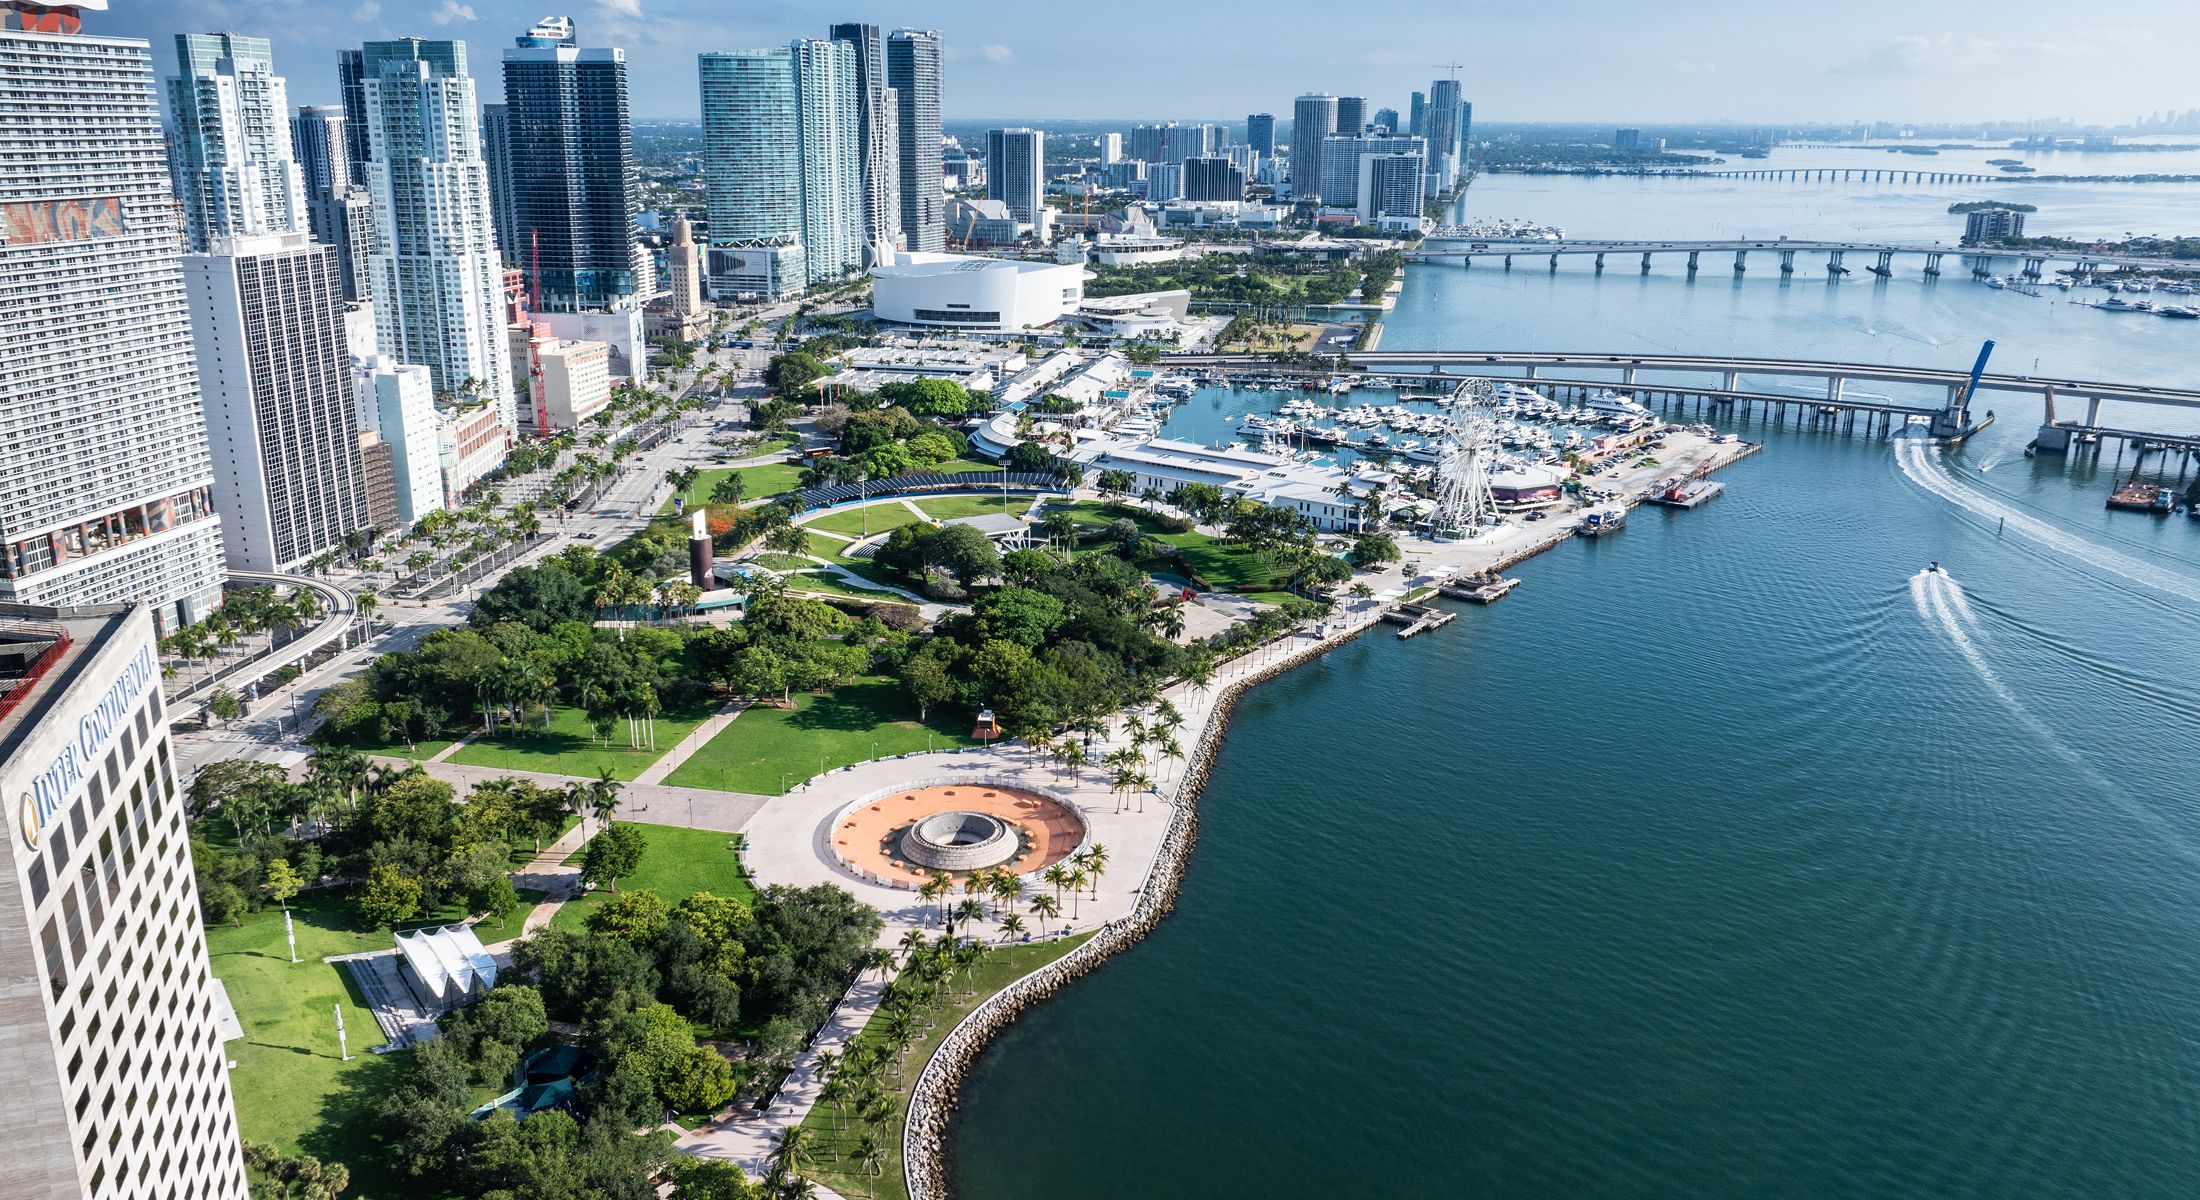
<point x="1464" y="505"/>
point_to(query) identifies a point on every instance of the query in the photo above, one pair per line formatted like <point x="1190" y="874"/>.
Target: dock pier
<point x="1417" y="618"/>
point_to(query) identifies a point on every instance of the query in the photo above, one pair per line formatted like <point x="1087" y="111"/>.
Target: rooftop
<point x="42" y="650"/>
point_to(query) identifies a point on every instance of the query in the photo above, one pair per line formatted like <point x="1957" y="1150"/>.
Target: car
<point x="586" y="535"/>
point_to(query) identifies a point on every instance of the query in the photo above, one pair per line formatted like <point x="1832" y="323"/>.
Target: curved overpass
<point x="339" y="605"/>
<point x="1600" y="368"/>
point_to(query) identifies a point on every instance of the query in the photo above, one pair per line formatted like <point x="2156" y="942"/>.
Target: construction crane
<point x="1454" y="68"/>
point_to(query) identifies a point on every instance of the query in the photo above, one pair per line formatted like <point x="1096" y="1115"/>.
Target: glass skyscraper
<point x="573" y="192"/>
<point x="782" y="166"/>
<point x="234" y="169"/>
<point x="913" y="71"/>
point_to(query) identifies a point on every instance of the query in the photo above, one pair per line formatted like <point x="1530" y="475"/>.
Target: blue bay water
<point x="1730" y="856"/>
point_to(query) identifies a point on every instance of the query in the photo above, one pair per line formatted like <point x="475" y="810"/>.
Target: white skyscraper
<point x="234" y="164"/>
<point x="268" y="315"/>
<point x="437" y="283"/>
<point x="105" y="488"/>
<point x="110" y="1037"/>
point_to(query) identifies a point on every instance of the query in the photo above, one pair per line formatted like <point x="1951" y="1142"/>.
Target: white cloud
<point x="452" y="11"/>
<point x="367" y="11"/>
<point x="996" y="54"/>
<point x="630" y="9"/>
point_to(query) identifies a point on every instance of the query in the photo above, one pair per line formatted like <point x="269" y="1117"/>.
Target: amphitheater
<point x="901" y="836"/>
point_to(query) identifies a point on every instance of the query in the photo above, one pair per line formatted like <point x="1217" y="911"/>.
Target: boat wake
<point x="1920" y="464"/>
<point x="1944" y="606"/>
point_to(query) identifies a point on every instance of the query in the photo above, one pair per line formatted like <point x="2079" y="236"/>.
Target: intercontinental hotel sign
<point x="50" y="789"/>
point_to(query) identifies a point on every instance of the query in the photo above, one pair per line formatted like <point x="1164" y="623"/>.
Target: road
<point x="270" y="733"/>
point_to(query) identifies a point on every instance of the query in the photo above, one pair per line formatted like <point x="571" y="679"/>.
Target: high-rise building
<point x="234" y="169"/>
<point x="1171" y="143"/>
<point x="574" y="193"/>
<point x="913" y="70"/>
<point x="438" y="288"/>
<point x="111" y="1019"/>
<point x="1386" y="119"/>
<point x="1627" y="141"/>
<point x="1341" y="166"/>
<point x="781" y="166"/>
<point x="828" y="107"/>
<point x="496" y="150"/>
<point x="397" y="403"/>
<point x="1015" y="171"/>
<point x="267" y="312"/>
<point x="1417" y="115"/>
<point x="1260" y="130"/>
<point x="337" y="208"/>
<point x="1390" y="182"/>
<point x="878" y="139"/>
<point x="1443" y="136"/>
<point x="1351" y="115"/>
<point x="1466" y="134"/>
<point x="351" y="81"/>
<point x="1111" y="148"/>
<point x="1313" y="118"/>
<point x="752" y="164"/>
<point x="684" y="269"/>
<point x="106" y="492"/>
<point x="1213" y="179"/>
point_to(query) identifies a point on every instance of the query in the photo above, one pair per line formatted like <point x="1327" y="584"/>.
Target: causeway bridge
<point x="1820" y="396"/>
<point x="1443" y="246"/>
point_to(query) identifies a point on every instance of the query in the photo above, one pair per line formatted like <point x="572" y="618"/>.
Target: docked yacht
<point x="1606" y="405"/>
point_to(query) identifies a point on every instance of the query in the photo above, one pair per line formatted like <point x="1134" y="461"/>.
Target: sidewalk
<point x="691" y="743"/>
<point x="655" y="803"/>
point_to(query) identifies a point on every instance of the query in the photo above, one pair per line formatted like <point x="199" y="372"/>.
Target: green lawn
<point x="1225" y="567"/>
<point x="570" y="747"/>
<point x="783" y="562"/>
<point x="833" y="1160"/>
<point x="876" y="518"/>
<point x="769" y="744"/>
<point x="417" y="752"/>
<point x="962" y="466"/>
<point x="825" y="581"/>
<point x="677" y="864"/>
<point x="768" y="479"/>
<point x="948" y="508"/>
<point x="291" y="1088"/>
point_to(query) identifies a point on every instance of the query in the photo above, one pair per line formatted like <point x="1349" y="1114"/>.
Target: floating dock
<point x="1418" y="618"/>
<point x="1687" y="494"/>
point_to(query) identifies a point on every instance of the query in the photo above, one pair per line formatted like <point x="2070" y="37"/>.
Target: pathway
<point x="747" y="1138"/>
<point x="688" y="745"/>
<point x="657" y="803"/>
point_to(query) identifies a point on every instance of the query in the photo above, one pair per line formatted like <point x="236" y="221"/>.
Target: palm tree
<point x="1076" y="881"/>
<point x="1073" y="754"/>
<point x="1011" y="925"/>
<point x="1056" y="877"/>
<point x="873" y="1159"/>
<point x="1096" y="861"/>
<point x="1045" y="907"/>
<point x="911" y="942"/>
<point x="970" y="912"/>
<point x="1007" y="889"/>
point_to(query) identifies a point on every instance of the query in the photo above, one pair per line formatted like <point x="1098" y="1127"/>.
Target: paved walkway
<point x="747" y="1138"/>
<point x="693" y="742"/>
<point x="656" y="803"/>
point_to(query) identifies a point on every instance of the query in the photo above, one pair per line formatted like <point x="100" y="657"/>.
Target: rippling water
<point x="1730" y="856"/>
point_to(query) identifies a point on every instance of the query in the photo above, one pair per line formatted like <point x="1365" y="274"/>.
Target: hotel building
<point x="110" y="1020"/>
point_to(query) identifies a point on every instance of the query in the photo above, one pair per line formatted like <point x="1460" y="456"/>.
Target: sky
<point x="1608" y="61"/>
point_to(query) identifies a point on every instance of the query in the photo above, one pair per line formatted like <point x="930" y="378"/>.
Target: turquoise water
<point x="1730" y="856"/>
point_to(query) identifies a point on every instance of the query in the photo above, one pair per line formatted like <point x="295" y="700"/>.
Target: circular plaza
<point x="903" y="836"/>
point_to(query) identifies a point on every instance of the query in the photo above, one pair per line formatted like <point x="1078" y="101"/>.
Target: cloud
<point x="367" y="11"/>
<point x="452" y="11"/>
<point x="630" y="9"/>
<point x="997" y="54"/>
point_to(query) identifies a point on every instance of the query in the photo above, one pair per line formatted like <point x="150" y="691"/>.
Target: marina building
<point x="954" y="291"/>
<point x="437" y="283"/>
<point x="112" y="1025"/>
<point x="913" y="72"/>
<point x="573" y="191"/>
<point x="106" y="489"/>
<point x="1273" y="480"/>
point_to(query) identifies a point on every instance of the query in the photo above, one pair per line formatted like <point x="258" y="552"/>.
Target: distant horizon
<point x="1872" y="59"/>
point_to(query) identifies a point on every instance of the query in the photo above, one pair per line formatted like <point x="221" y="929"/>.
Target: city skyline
<point x="1715" y="61"/>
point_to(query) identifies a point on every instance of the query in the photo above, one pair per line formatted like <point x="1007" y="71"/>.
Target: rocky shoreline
<point x="932" y="1102"/>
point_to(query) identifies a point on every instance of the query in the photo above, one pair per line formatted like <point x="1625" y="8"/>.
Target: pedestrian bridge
<point x="1447" y="245"/>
